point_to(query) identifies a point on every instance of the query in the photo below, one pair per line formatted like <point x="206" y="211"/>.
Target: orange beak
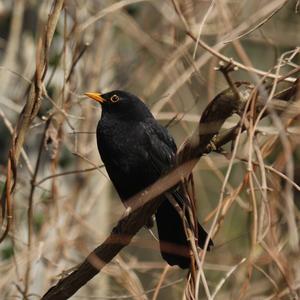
<point x="96" y="96"/>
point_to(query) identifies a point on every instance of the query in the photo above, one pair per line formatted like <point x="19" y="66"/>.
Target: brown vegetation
<point x="57" y="202"/>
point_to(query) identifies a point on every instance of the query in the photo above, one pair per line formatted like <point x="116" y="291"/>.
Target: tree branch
<point x="29" y="111"/>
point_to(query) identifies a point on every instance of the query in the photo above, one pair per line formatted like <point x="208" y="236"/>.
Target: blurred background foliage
<point x="142" y="47"/>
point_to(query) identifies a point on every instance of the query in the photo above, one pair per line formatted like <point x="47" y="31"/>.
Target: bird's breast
<point x="123" y="151"/>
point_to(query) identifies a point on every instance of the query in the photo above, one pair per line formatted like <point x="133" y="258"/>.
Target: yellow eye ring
<point x="114" y="98"/>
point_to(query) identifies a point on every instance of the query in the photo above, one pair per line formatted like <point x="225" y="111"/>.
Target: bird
<point x="136" y="151"/>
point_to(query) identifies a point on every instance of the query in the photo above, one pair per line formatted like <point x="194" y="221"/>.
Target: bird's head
<point x="124" y="104"/>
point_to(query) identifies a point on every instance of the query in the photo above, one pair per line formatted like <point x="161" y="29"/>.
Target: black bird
<point x="136" y="151"/>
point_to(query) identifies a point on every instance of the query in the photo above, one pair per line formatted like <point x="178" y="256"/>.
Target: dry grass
<point x="59" y="201"/>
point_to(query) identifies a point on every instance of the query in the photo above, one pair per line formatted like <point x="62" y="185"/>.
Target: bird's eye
<point x="114" y="98"/>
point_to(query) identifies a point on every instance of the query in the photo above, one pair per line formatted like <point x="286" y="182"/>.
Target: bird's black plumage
<point x="136" y="151"/>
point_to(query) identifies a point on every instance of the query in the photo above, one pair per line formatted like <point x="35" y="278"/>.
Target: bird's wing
<point x="161" y="146"/>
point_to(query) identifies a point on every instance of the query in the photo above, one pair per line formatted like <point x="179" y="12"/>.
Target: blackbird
<point x="136" y="150"/>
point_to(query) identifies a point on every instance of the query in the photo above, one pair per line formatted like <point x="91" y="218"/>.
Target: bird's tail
<point x="173" y="242"/>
